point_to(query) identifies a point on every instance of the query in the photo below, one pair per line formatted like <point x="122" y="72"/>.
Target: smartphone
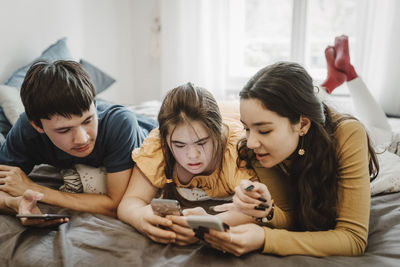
<point x="165" y="207"/>
<point x="213" y="222"/>
<point x="46" y="216"/>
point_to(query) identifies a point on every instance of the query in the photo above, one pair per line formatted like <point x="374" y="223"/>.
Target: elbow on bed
<point x="361" y="247"/>
<point x="358" y="245"/>
<point x="121" y="211"/>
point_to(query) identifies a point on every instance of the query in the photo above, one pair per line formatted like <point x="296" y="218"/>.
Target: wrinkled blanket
<point x="98" y="240"/>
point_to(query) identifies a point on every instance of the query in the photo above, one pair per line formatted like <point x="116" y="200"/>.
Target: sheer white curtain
<point x="195" y="46"/>
<point x="379" y="46"/>
<point x="193" y="41"/>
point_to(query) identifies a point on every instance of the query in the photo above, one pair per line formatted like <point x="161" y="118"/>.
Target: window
<point x="262" y="32"/>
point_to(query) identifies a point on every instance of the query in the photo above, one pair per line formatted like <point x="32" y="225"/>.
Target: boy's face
<point x="76" y="135"/>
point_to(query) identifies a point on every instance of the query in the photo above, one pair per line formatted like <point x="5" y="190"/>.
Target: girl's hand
<point x="251" y="198"/>
<point x="238" y="240"/>
<point x="184" y="234"/>
<point x="154" y="226"/>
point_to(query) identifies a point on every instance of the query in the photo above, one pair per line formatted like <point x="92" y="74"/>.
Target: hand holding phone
<point x="165" y="207"/>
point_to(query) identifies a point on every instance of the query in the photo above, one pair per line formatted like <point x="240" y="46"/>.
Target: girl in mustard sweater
<point x="314" y="167"/>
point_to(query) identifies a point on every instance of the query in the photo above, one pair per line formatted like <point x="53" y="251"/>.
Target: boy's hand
<point x="27" y="205"/>
<point x="14" y="181"/>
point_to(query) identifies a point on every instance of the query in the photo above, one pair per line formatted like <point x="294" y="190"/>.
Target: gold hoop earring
<point x="301" y="151"/>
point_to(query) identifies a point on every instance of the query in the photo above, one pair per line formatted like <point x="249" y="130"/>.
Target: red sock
<point x="335" y="77"/>
<point x="342" y="61"/>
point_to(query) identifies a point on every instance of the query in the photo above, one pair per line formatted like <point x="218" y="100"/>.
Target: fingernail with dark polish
<point x="259" y="208"/>
<point x="262" y="199"/>
<point x="249" y="188"/>
<point x="265" y="206"/>
<point x="226" y="227"/>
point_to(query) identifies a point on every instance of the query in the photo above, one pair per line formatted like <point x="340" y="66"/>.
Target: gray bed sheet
<point x="98" y="240"/>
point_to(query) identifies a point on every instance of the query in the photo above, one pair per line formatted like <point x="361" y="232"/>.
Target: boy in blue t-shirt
<point x="62" y="126"/>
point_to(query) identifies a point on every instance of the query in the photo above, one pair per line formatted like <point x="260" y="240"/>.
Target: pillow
<point x="388" y="179"/>
<point x="94" y="179"/>
<point x="11" y="103"/>
<point x="2" y="139"/>
<point x="100" y="79"/>
<point x="5" y="125"/>
<point x="84" y="178"/>
<point x="56" y="51"/>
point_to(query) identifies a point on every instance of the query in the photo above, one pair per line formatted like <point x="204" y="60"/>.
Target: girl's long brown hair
<point x="184" y="104"/>
<point x="287" y="89"/>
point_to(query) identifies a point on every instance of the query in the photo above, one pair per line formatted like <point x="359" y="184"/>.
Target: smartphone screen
<point x="46" y="216"/>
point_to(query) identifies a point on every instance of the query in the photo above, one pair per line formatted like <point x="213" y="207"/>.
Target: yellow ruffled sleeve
<point x="150" y="159"/>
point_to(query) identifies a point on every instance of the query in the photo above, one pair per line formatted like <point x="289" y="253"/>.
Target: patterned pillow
<point x="84" y="178"/>
<point x="94" y="180"/>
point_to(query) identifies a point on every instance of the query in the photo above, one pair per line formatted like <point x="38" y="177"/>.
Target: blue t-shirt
<point x="119" y="132"/>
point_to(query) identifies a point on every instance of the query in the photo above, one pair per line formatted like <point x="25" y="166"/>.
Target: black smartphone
<point x="165" y="207"/>
<point x="46" y="216"/>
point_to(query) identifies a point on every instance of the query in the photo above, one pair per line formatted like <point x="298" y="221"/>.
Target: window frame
<point x="236" y="77"/>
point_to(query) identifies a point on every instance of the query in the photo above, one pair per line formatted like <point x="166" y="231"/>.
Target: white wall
<point x="116" y="36"/>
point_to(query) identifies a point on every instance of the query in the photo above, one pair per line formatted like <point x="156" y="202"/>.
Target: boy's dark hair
<point x="59" y="88"/>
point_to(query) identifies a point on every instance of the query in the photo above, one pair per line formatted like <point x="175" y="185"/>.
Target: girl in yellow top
<point x="314" y="167"/>
<point x="192" y="155"/>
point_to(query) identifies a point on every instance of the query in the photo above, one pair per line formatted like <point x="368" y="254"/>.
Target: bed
<point x="99" y="240"/>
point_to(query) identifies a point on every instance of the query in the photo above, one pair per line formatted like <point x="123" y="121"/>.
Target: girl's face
<point x="192" y="147"/>
<point x="271" y="136"/>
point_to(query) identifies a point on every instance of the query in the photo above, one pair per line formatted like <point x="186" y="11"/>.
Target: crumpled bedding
<point x="388" y="179"/>
<point x="99" y="240"/>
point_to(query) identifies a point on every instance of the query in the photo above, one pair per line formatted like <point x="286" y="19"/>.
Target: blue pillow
<point x="56" y="51"/>
<point x="100" y="79"/>
<point x="5" y="125"/>
<point x="2" y="139"/>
